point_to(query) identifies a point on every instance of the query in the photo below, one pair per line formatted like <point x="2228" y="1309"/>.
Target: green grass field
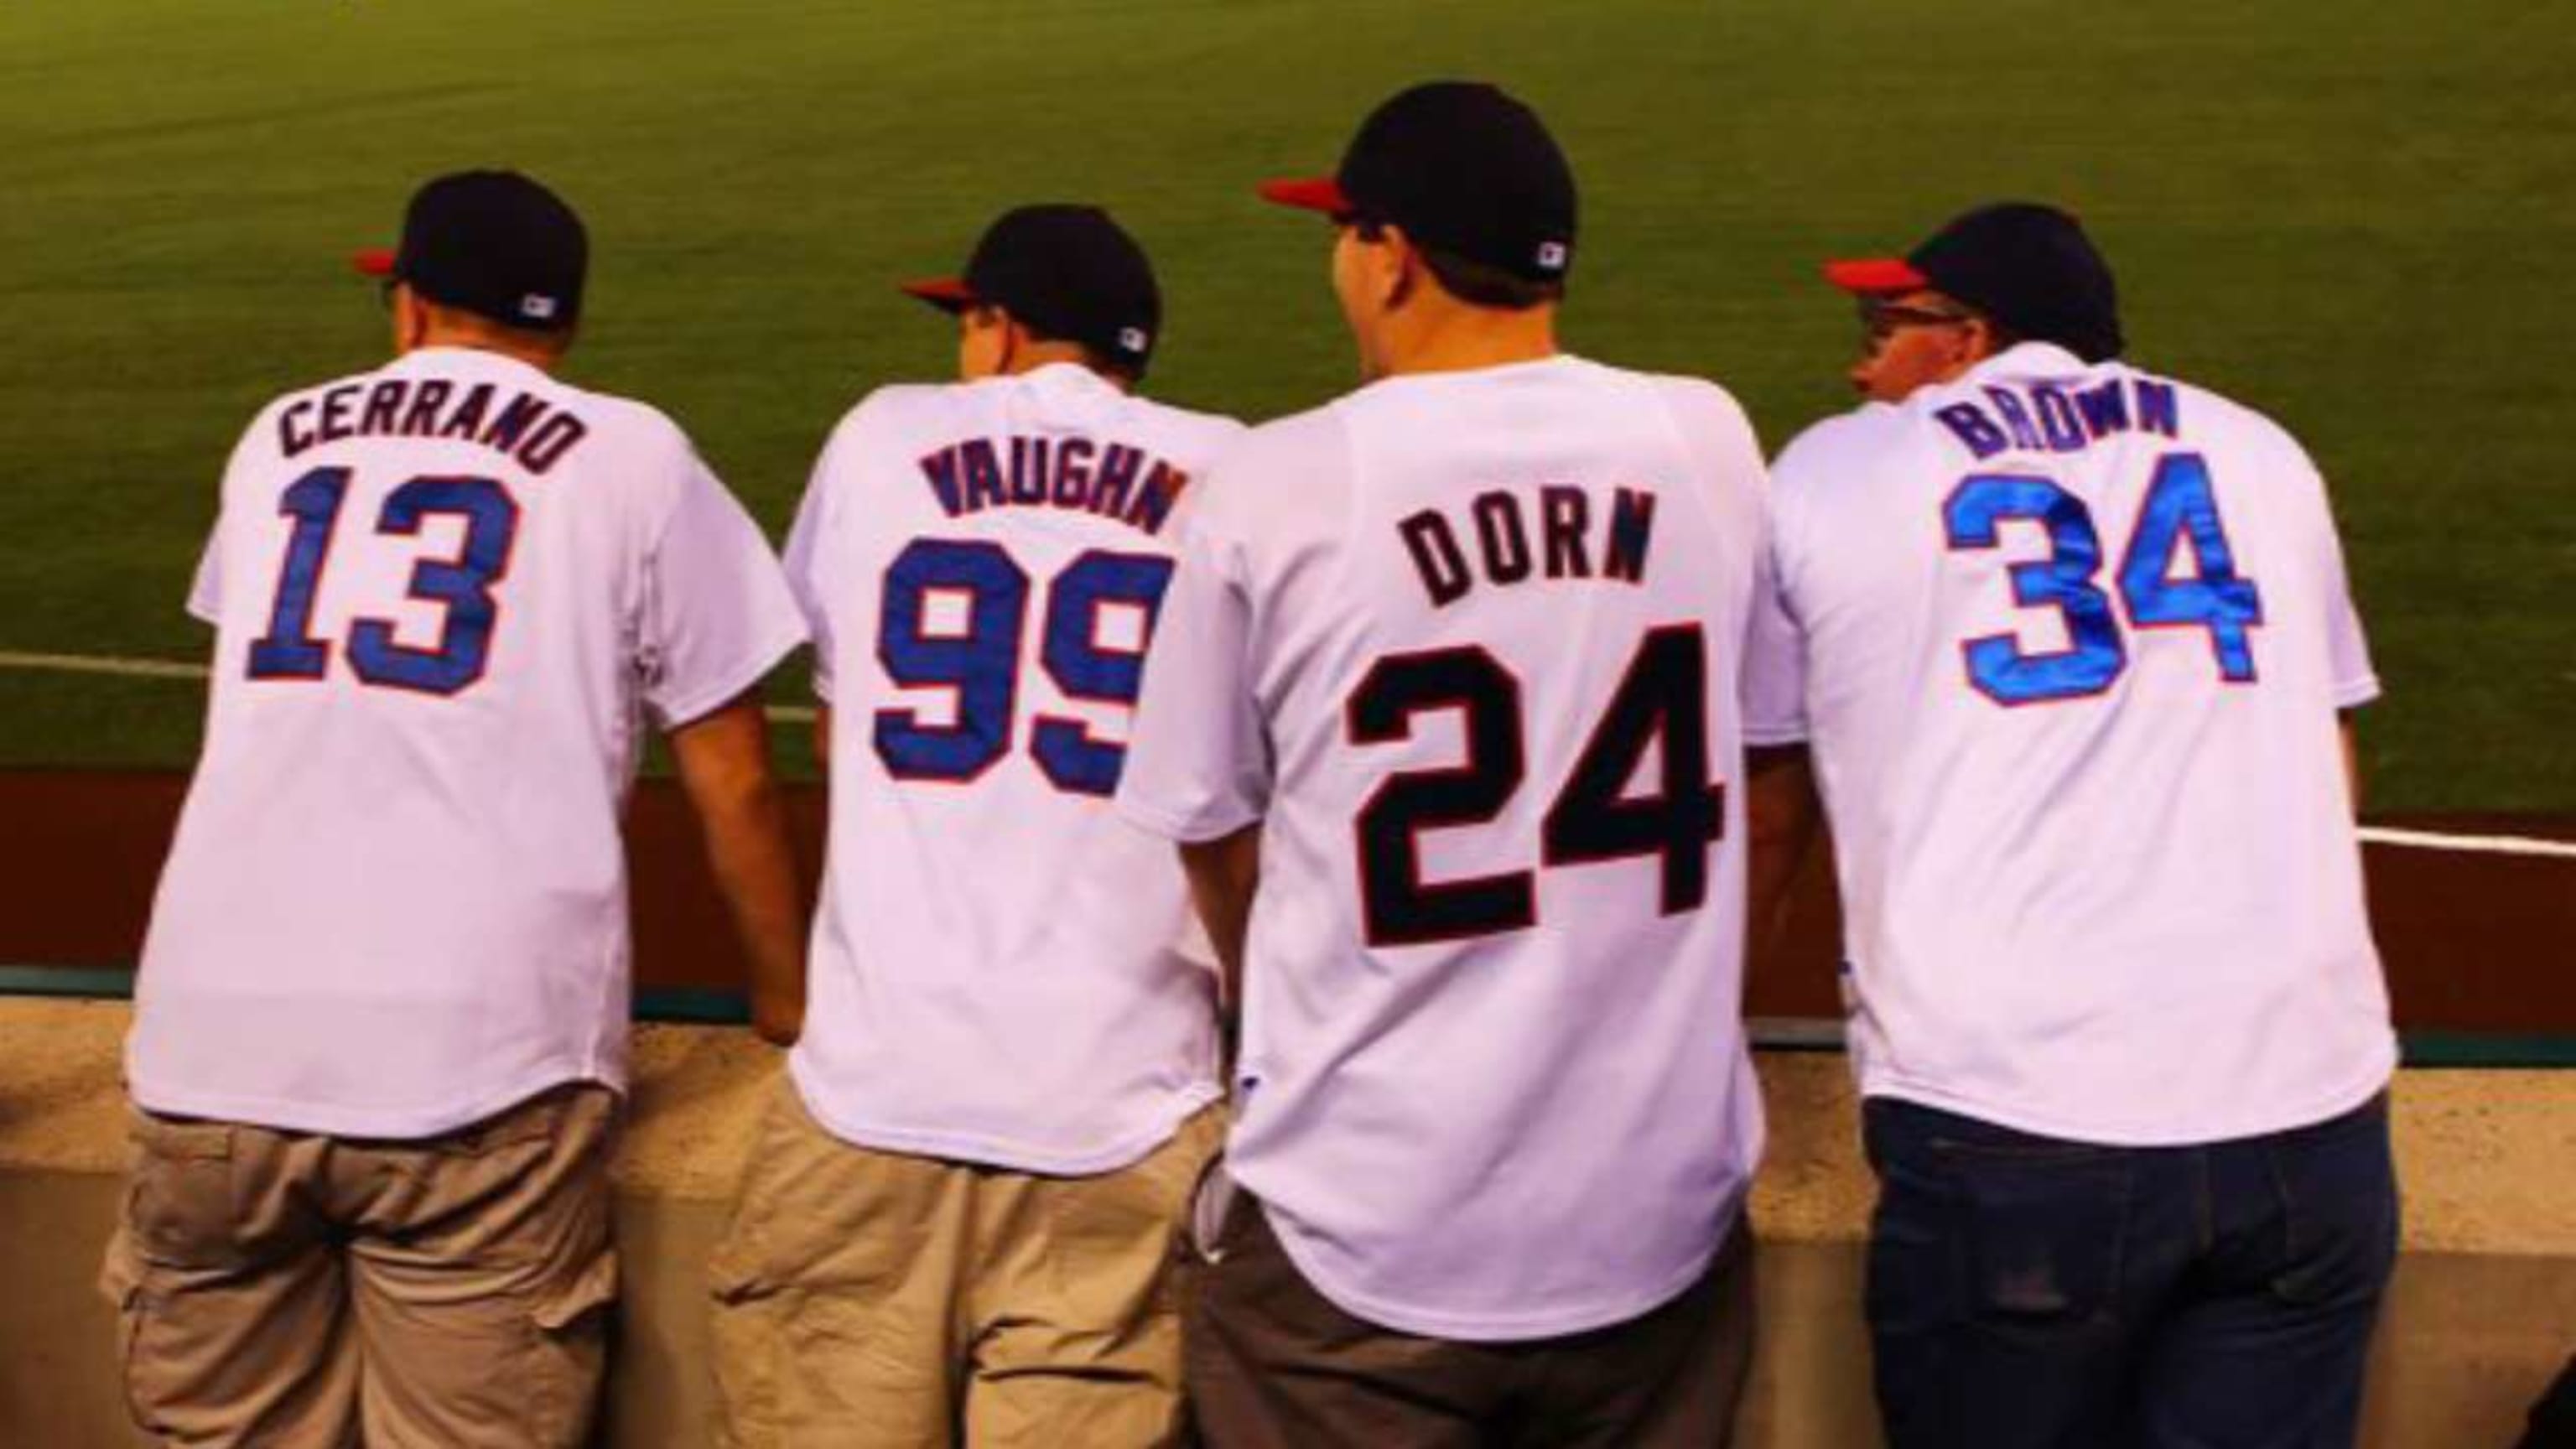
<point x="2354" y="217"/>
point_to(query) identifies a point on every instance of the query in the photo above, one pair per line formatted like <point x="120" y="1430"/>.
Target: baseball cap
<point x="1066" y="271"/>
<point x="2028" y="266"/>
<point x="493" y="243"/>
<point x="1463" y="168"/>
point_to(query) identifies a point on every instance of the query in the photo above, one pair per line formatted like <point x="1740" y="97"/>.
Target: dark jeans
<point x="2028" y="1291"/>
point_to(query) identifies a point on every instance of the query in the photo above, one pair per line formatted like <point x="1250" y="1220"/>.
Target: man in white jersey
<point x="2076" y="637"/>
<point x="381" y="1018"/>
<point x="1447" y="712"/>
<point x="959" y="1224"/>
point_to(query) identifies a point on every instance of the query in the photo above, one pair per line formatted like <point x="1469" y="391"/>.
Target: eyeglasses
<point x="1880" y="320"/>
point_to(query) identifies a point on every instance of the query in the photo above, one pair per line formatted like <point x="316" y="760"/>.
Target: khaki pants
<point x="1274" y="1364"/>
<point x="871" y="1298"/>
<point x="289" y="1289"/>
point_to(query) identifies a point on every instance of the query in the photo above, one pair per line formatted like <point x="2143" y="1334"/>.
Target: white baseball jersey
<point x="999" y="972"/>
<point x="1471" y="648"/>
<point x="2075" y="639"/>
<point x="443" y="592"/>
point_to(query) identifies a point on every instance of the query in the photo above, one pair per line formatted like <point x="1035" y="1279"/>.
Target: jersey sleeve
<point x="1770" y="673"/>
<point x="2355" y="682"/>
<point x="718" y="613"/>
<point x="1198" y="764"/>
<point x="812" y="559"/>
<point x="1773" y="680"/>
<point x="206" y="587"/>
<point x="205" y="599"/>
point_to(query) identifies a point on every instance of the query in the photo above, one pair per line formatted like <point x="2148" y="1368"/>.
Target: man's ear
<point x="411" y="318"/>
<point x="1402" y="267"/>
<point x="1978" y="341"/>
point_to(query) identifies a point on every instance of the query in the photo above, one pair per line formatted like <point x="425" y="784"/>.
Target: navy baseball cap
<point x="2027" y="266"/>
<point x="1462" y="168"/>
<point x="1068" y="272"/>
<point x="493" y="243"/>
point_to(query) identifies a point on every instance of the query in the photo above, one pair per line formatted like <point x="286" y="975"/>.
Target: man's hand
<point x="724" y="767"/>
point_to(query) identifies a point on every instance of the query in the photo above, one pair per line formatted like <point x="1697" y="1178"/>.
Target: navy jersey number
<point x="1661" y="702"/>
<point x="462" y="585"/>
<point x="2179" y="505"/>
<point x="980" y="662"/>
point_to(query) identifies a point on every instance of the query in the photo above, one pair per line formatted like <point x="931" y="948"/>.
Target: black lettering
<point x="512" y="423"/>
<point x="2105" y="409"/>
<point x="294" y="437"/>
<point x="384" y="400"/>
<point x="1436" y="557"/>
<point x="1565" y="515"/>
<point x="1154" y="501"/>
<point x="550" y="440"/>
<point x="1500" y="534"/>
<point x="2016" y="417"/>
<point x="1632" y="534"/>
<point x="1119" y="466"/>
<point x="1028" y="483"/>
<point x="335" y="412"/>
<point x="2159" y="409"/>
<point x="425" y="403"/>
<point x="1073" y="473"/>
<point x="467" y="420"/>
<point x="941" y="469"/>
<point x="983" y="474"/>
<point x="2057" y="419"/>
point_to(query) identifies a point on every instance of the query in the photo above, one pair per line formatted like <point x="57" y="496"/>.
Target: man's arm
<point x="2351" y="759"/>
<point x="724" y="766"/>
<point x="823" y="739"/>
<point x="1223" y="875"/>
<point x="1781" y="815"/>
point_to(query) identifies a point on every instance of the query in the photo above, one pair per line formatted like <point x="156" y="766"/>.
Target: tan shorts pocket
<point x="181" y="1210"/>
<point x="571" y="1352"/>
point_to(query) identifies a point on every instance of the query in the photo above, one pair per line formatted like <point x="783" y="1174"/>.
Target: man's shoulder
<point x="1866" y="438"/>
<point x="1300" y="442"/>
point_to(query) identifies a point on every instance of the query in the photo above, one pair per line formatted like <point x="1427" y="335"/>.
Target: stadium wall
<point x="2482" y="1314"/>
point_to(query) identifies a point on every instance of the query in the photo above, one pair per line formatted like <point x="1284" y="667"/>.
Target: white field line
<point x="2521" y="845"/>
<point x="179" y="669"/>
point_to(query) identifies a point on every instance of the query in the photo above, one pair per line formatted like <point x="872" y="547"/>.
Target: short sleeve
<point x="206" y="589"/>
<point x="813" y="562"/>
<point x="717" y="611"/>
<point x="1770" y="674"/>
<point x="1773" y="681"/>
<point x="1198" y="765"/>
<point x="2356" y="683"/>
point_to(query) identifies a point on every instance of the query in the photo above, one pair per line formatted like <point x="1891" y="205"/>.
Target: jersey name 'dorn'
<point x="1113" y="480"/>
<point x="526" y="428"/>
<point x="1510" y="548"/>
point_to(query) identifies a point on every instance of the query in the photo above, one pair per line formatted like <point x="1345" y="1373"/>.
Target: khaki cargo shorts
<point x="878" y="1298"/>
<point x="290" y="1289"/>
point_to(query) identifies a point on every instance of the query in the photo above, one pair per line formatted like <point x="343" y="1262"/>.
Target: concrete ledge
<point x="2482" y="1314"/>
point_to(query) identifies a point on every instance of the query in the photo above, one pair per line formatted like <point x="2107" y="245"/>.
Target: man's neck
<point x="540" y="359"/>
<point x="1463" y="339"/>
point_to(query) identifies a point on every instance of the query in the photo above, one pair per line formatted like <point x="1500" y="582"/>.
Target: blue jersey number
<point x="977" y="658"/>
<point x="2179" y="505"/>
<point x="462" y="584"/>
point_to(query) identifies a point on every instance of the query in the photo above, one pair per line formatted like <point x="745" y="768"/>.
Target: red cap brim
<point x="948" y="294"/>
<point x="1877" y="274"/>
<point x="1313" y="193"/>
<point x="374" y="262"/>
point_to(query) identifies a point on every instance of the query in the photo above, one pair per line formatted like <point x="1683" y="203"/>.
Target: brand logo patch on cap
<point x="1551" y="255"/>
<point x="537" y="307"/>
<point x="1133" y="338"/>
